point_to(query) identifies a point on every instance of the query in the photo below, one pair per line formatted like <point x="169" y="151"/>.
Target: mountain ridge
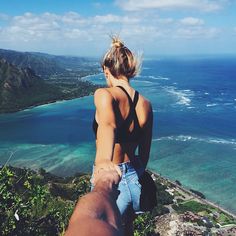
<point x="43" y="64"/>
<point x="30" y="79"/>
<point x="20" y="88"/>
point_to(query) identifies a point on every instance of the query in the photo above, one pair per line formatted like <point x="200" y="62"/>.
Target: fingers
<point x="107" y="171"/>
<point x="108" y="165"/>
<point x="104" y="175"/>
<point x="118" y="170"/>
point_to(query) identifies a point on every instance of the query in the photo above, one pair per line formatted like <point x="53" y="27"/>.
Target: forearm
<point x="105" y="143"/>
<point x="97" y="212"/>
<point x="87" y="218"/>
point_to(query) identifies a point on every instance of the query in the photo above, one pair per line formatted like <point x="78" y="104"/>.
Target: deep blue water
<point x="194" y="139"/>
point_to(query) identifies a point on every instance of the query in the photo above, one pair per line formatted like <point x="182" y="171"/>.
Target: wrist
<point x="103" y="186"/>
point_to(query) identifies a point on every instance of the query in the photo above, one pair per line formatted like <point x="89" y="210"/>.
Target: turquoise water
<point x="194" y="138"/>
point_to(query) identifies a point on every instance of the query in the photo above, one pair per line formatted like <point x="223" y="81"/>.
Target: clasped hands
<point x="105" y="170"/>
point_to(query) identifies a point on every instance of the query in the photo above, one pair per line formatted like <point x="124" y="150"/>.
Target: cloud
<point x="194" y="28"/>
<point x="48" y="26"/>
<point x="106" y="19"/>
<point x="191" y="21"/>
<point x="197" y="33"/>
<point x="71" y="32"/>
<point x="201" y="5"/>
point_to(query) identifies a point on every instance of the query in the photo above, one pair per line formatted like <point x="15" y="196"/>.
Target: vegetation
<point x="40" y="203"/>
<point x="46" y="65"/>
<point x="22" y="88"/>
<point x="226" y="219"/>
<point x="192" y="205"/>
<point x="215" y="215"/>
<point x="198" y="193"/>
<point x="144" y="225"/>
<point x="32" y="204"/>
<point x="178" y="182"/>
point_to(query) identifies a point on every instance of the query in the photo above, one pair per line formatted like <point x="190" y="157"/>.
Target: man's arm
<point x="96" y="213"/>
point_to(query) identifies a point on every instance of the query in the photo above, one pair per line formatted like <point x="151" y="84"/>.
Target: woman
<point x="122" y="124"/>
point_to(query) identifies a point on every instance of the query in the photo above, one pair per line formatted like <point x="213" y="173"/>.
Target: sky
<point x="151" y="27"/>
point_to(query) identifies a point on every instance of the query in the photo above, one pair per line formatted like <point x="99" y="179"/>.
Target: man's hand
<point x="96" y="213"/>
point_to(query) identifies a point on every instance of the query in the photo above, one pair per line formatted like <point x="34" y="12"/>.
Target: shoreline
<point x="51" y="101"/>
<point x="206" y="201"/>
<point x="41" y="104"/>
<point x="195" y="196"/>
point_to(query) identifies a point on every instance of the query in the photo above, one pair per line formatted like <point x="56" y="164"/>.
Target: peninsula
<point x="31" y="79"/>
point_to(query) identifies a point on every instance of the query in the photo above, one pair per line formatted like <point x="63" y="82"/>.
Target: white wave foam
<point x="91" y="76"/>
<point x="158" y="78"/>
<point x="184" y="138"/>
<point x="183" y="96"/>
<point x="143" y="81"/>
<point x="211" y="104"/>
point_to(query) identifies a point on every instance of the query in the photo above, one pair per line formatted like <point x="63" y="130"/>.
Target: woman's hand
<point x="102" y="167"/>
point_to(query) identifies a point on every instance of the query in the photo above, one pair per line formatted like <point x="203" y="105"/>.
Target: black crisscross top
<point x="122" y="133"/>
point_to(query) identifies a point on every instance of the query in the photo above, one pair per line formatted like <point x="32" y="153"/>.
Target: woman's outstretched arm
<point x="105" y="116"/>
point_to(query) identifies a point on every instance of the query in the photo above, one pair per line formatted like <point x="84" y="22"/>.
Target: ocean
<point x="194" y="133"/>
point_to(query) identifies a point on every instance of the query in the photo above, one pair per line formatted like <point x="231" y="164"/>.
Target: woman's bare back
<point x="125" y="151"/>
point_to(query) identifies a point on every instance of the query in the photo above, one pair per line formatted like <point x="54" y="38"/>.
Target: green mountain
<point x="21" y="88"/>
<point x="32" y="78"/>
<point x="42" y="65"/>
<point x="46" y="65"/>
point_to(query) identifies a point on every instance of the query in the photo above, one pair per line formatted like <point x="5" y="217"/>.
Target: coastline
<point x="193" y="195"/>
<point x="206" y="201"/>
<point x="41" y="104"/>
<point x="52" y="101"/>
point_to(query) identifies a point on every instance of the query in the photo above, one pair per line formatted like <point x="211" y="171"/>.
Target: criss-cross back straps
<point x="136" y="95"/>
<point x="132" y="116"/>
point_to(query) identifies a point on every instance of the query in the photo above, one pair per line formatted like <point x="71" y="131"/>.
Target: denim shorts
<point x="129" y="188"/>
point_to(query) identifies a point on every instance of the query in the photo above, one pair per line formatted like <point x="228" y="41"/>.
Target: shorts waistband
<point x="130" y="166"/>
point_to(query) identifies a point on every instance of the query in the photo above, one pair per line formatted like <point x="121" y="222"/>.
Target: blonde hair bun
<point x="120" y="60"/>
<point x="116" y="42"/>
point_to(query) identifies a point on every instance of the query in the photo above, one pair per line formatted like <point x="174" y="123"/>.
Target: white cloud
<point x="71" y="33"/>
<point x="106" y="19"/>
<point x="48" y="26"/>
<point x="165" y="21"/>
<point x="202" y="5"/>
<point x="197" y="33"/>
<point x="72" y="18"/>
<point x="191" y="21"/>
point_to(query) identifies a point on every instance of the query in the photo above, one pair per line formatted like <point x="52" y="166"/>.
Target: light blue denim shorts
<point x="129" y="188"/>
